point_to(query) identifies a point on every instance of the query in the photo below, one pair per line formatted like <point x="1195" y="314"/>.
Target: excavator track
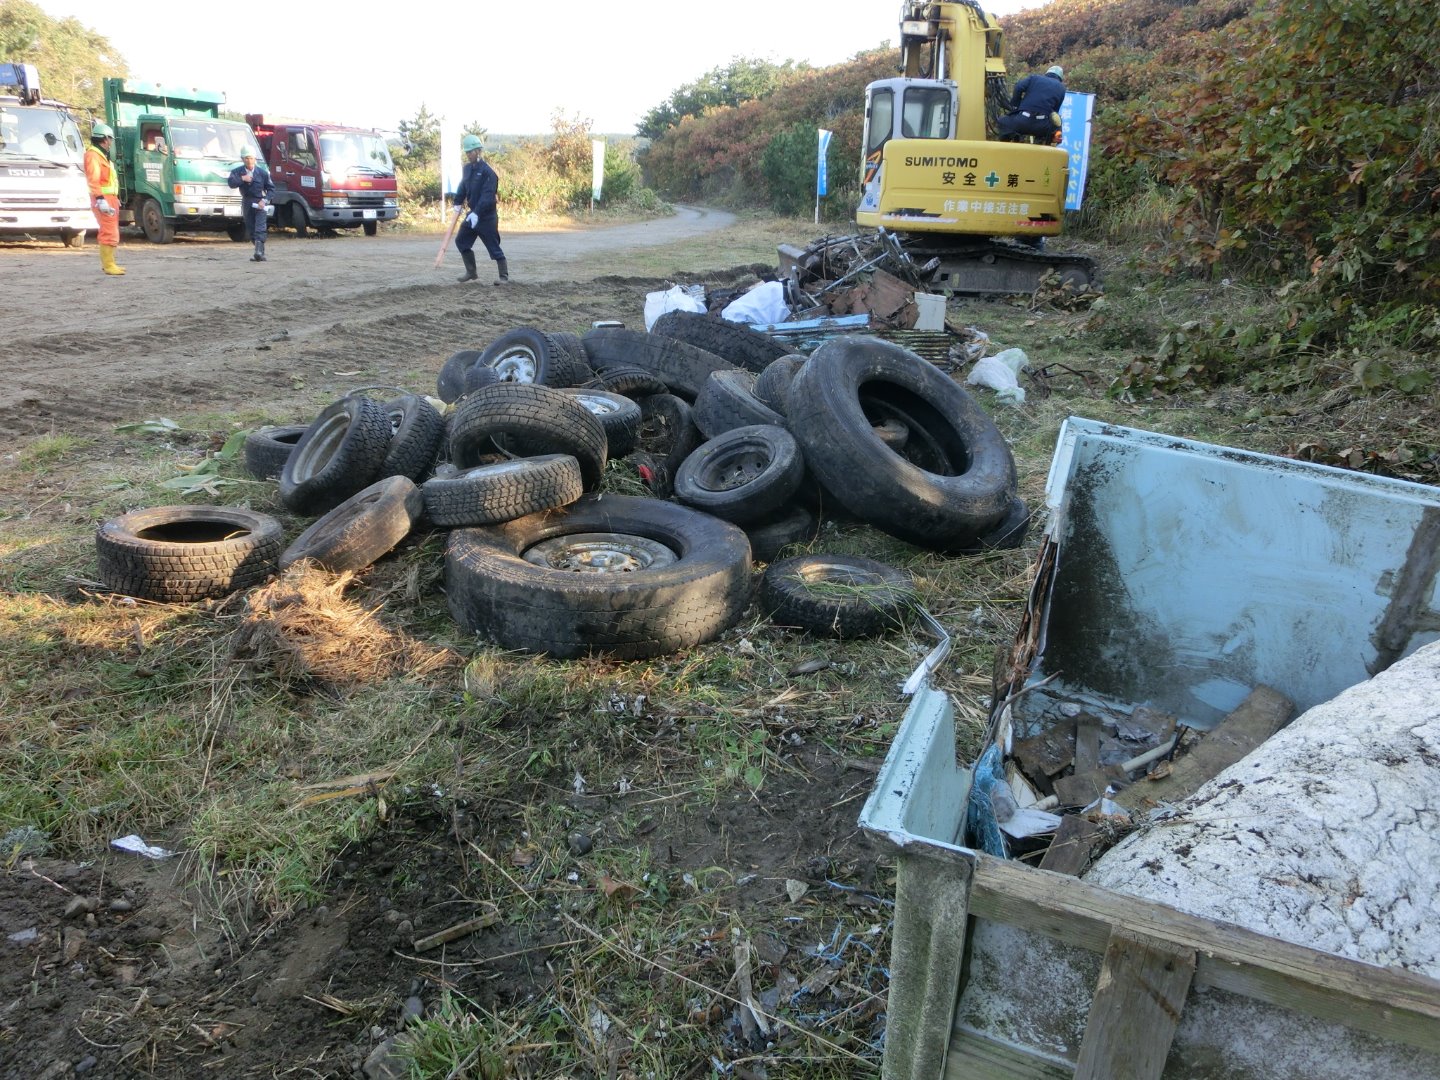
<point x="996" y="267"/>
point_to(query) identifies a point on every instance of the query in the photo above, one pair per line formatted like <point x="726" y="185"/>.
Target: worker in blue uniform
<point x="256" y="189"/>
<point x="478" y="185"/>
<point x="1033" y="105"/>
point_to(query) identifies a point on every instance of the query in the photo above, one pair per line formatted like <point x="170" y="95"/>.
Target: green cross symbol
<point x="993" y="178"/>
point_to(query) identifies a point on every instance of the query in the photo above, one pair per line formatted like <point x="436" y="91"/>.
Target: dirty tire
<point x="1008" y="534"/>
<point x="572" y="344"/>
<point x="844" y="596"/>
<point x="176" y="554"/>
<point x="681" y="367"/>
<point x="618" y="415"/>
<point x="940" y="504"/>
<point x="772" y="385"/>
<point x="633" y="382"/>
<point x="361" y="529"/>
<point x="528" y="355"/>
<point x="450" y="384"/>
<point x="490" y="494"/>
<point x="478" y="376"/>
<point x="268" y="448"/>
<point x="745" y="474"/>
<point x="628" y="577"/>
<point x="768" y="538"/>
<point x="734" y="341"/>
<point x="527" y="420"/>
<point x="418" y="432"/>
<point x="667" y="429"/>
<point x="728" y="401"/>
<point x="339" y="454"/>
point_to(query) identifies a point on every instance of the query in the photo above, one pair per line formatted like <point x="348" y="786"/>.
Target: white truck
<point x="42" y="163"/>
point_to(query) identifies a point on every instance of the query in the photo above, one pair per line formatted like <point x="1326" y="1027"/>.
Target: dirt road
<point x="194" y="326"/>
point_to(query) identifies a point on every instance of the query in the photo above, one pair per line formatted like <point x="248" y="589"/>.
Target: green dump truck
<point x="174" y="154"/>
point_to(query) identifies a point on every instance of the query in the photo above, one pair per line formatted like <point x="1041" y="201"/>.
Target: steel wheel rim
<point x="518" y="364"/>
<point x="600" y="553"/>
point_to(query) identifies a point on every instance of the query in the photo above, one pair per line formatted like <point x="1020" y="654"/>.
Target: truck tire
<point x="299" y="219"/>
<point x="450" y="383"/>
<point x="1008" y="534"/>
<point x="962" y="490"/>
<point x="618" y="415"/>
<point x="339" y="455"/>
<point x="842" y="596"/>
<point x="268" y="448"/>
<point x="683" y="368"/>
<point x="369" y="228"/>
<point x="633" y="382"/>
<point x="151" y="220"/>
<point x="492" y="494"/>
<point x="628" y="577"/>
<point x="736" y="342"/>
<point x="527" y="420"/>
<point x="745" y="474"/>
<point x="417" y="433"/>
<point x="361" y="529"/>
<point x="236" y="231"/>
<point x="73" y="238"/>
<point x="727" y="401"/>
<point x="772" y="385"/>
<point x="176" y="554"/>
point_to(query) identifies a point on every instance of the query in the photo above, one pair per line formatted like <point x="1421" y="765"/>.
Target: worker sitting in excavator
<point x="1034" y="107"/>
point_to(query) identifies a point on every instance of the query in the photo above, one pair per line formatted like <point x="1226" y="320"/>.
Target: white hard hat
<point x="1056" y="70"/>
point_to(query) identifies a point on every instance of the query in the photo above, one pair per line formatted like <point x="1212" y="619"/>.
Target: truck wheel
<point x="843" y="596"/>
<point x="236" y="231"/>
<point x="744" y="474"/>
<point x="361" y="529"/>
<point x="74" y="238"/>
<point x="370" y="227"/>
<point x="152" y="222"/>
<point x="176" y="554"/>
<point x="299" y="220"/>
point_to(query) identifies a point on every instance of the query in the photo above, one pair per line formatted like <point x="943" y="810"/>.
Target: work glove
<point x="473" y="221"/>
<point x="102" y="206"/>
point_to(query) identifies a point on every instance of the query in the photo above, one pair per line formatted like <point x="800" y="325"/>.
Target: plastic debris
<point x="1000" y="373"/>
<point x="140" y="847"/>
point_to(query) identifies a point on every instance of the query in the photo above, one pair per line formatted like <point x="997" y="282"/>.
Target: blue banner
<point x="1075" y="116"/>
<point x="821" y="180"/>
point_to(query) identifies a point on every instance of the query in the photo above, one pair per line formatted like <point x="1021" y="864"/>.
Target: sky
<point x="508" y="66"/>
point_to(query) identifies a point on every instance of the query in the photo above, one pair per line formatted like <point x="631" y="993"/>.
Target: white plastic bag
<point x="763" y="304"/>
<point x="675" y="298"/>
<point x="999" y="373"/>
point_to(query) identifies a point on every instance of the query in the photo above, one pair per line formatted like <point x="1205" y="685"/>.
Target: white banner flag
<point x="597" y="167"/>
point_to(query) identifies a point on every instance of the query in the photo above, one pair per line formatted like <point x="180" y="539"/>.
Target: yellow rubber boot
<point x="107" y="261"/>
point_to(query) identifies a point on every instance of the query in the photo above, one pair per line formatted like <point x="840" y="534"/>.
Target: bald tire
<point x="450" y="383"/>
<point x="633" y="382"/>
<point x="628" y="614"/>
<point x="361" y="530"/>
<point x="527" y="421"/>
<point x="681" y="367"/>
<point x="727" y="400"/>
<point x="772" y="385"/>
<point x="268" y="448"/>
<point x="736" y="342"/>
<point x="491" y="494"/>
<point x="340" y="453"/>
<point x="842" y="596"/>
<point x="768" y="538"/>
<point x="177" y="554"/>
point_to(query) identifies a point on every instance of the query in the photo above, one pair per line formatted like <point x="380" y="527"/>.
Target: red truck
<point x="328" y="176"/>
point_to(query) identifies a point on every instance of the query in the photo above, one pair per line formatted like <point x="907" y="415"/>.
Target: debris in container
<point x="1069" y="852"/>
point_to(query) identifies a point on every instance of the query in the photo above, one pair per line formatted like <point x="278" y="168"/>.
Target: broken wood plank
<point x="1136" y="1009"/>
<point x="1258" y="717"/>
<point x="459" y="930"/>
<point x="1084" y="789"/>
<point x="1047" y="754"/>
<point x="1070" y="850"/>
<point x="1087" y="743"/>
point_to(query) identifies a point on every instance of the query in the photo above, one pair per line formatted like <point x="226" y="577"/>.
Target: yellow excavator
<point x="935" y="174"/>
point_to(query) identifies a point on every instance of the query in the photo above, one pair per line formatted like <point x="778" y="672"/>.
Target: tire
<point x="667" y="430"/>
<point x="491" y="494"/>
<point x="943" y="504"/>
<point x="629" y="577"/>
<point x="299" y="219"/>
<point x="339" y="455"/>
<point x="528" y="355"/>
<point x="633" y="382"/>
<point x="268" y="448"/>
<point x="236" y="232"/>
<point x="153" y="224"/>
<point x="450" y="383"/>
<point x="892" y="432"/>
<point x="746" y="474"/>
<point x="417" y="433"/>
<point x="728" y="401"/>
<point x="681" y="367"/>
<point x="618" y="415"/>
<point x="478" y="376"/>
<point x="842" y="596"/>
<point x="528" y="421"/>
<point x="73" y="238"/>
<point x="370" y="228"/>
<point x="769" y="538"/>
<point x="177" y="554"/>
<point x="1008" y="534"/>
<point x="736" y="342"/>
<point x="361" y="529"/>
<point x="772" y="385"/>
<point x="575" y="348"/>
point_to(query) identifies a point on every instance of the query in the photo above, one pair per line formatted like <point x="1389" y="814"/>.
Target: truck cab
<point x="329" y="176"/>
<point x="42" y="162"/>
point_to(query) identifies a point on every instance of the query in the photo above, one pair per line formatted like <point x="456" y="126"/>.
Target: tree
<point x="743" y="79"/>
<point x="72" y="58"/>
<point x="422" y="136"/>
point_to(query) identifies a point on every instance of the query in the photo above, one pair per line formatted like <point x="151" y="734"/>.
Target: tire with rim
<point x="681" y="367"/>
<point x="745" y="474"/>
<point x="727" y="400"/>
<point x="667" y="429"/>
<point x="960" y="490"/>
<point x="618" y="415"/>
<point x="299" y="219"/>
<point x="844" y="596"/>
<point x="628" y="577"/>
<point x="450" y="383"/>
<point x="527" y="420"/>
<point x="176" y="554"/>
<point x="361" y="529"/>
<point x="772" y="385"/>
<point x="528" y="355"/>
<point x="339" y="454"/>
<point x="151" y="220"/>
<point x="768" y="538"/>
<point x="734" y="341"/>
<point x="268" y="448"/>
<point x="417" y="433"/>
<point x="491" y="494"/>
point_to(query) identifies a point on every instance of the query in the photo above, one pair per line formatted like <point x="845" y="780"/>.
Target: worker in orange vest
<point x="104" y="194"/>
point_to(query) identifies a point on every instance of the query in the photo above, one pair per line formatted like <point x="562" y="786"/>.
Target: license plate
<point x="367" y="213"/>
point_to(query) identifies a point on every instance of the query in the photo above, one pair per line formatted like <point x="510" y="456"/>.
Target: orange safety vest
<point x="100" y="173"/>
